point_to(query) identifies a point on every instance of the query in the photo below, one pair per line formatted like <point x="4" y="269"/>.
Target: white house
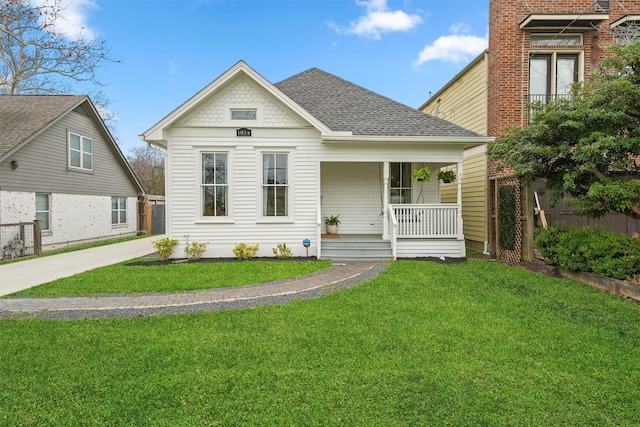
<point x="260" y="163"/>
<point x="59" y="164"/>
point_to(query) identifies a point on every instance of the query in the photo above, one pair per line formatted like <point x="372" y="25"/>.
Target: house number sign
<point x="243" y="132"/>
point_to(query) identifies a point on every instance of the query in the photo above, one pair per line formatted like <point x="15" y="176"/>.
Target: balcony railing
<point x="544" y="99"/>
<point x="426" y="221"/>
<point x="547" y="98"/>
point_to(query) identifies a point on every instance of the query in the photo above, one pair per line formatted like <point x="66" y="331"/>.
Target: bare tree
<point x="148" y="165"/>
<point x="36" y="57"/>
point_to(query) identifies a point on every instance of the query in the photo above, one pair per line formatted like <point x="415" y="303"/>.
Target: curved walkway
<point x="339" y="276"/>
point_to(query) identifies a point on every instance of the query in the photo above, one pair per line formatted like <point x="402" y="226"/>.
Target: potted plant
<point x="422" y="174"/>
<point x="332" y="222"/>
<point x="447" y="176"/>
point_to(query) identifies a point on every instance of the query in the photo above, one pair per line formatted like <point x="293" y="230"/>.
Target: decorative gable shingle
<point x="346" y="107"/>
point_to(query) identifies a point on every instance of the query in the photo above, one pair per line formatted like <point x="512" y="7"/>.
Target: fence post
<point x="37" y="238"/>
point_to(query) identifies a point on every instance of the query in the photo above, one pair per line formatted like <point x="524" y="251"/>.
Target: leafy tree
<point x="37" y="57"/>
<point x="148" y="165"/>
<point x="586" y="147"/>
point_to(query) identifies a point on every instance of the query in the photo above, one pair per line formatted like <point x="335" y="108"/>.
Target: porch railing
<point x="426" y="221"/>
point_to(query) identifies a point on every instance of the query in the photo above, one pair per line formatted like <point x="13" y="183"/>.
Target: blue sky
<point x="170" y="49"/>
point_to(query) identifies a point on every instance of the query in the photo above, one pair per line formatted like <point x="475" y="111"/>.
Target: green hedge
<point x="507" y="217"/>
<point x="590" y="249"/>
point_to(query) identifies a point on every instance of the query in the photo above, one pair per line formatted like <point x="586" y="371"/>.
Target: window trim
<point x="119" y="211"/>
<point x="261" y="218"/>
<point x="81" y="151"/>
<point x="199" y="200"/>
<point x="48" y="211"/>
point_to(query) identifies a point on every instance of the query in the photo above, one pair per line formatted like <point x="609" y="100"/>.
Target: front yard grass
<point x="122" y="278"/>
<point x="477" y="343"/>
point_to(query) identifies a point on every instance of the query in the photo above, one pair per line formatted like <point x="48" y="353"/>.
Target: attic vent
<point x="81" y="110"/>
<point x="602" y="5"/>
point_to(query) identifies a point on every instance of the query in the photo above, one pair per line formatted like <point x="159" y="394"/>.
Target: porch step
<point x="354" y="249"/>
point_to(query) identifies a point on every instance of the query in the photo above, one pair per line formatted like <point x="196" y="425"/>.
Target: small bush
<point x="194" y="250"/>
<point x="590" y="249"/>
<point x="243" y="251"/>
<point x="282" y="251"/>
<point x="164" y="247"/>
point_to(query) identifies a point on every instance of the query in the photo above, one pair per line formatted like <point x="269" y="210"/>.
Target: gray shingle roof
<point x="22" y="116"/>
<point x="345" y="106"/>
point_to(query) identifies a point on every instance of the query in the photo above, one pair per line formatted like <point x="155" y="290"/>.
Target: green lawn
<point x="478" y="343"/>
<point x="122" y="278"/>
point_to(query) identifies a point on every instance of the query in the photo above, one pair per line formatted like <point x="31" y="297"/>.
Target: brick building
<point x="537" y="50"/>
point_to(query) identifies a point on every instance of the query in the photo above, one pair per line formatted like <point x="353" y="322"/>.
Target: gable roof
<point x="339" y="109"/>
<point x="346" y="107"/>
<point x="155" y="133"/>
<point x="24" y="117"/>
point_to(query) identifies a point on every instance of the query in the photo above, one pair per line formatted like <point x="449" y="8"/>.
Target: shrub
<point x="243" y="251"/>
<point x="194" y="250"/>
<point x="282" y="251"/>
<point x="164" y="247"/>
<point x="507" y="217"/>
<point x="590" y="249"/>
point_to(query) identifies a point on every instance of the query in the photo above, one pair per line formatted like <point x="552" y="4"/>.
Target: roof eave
<point x="464" y="141"/>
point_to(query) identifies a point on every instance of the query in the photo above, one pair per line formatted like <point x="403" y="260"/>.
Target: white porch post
<point x="385" y="201"/>
<point x="460" y="175"/>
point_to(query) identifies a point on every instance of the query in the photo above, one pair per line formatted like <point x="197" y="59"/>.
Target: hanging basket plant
<point x="447" y="176"/>
<point x="422" y="174"/>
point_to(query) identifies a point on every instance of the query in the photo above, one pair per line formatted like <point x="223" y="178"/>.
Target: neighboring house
<point x="463" y="101"/>
<point x="253" y="162"/>
<point x="537" y="50"/>
<point x="59" y="164"/>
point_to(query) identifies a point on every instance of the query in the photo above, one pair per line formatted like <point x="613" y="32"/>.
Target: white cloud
<point x="455" y="47"/>
<point x="379" y="19"/>
<point x="73" y="19"/>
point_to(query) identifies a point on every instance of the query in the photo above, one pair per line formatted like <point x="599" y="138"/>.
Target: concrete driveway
<point x="36" y="271"/>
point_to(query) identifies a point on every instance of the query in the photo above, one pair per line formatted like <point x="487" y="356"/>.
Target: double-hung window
<point x="400" y="185"/>
<point x="80" y="152"/>
<point x="275" y="185"/>
<point x="215" y="184"/>
<point x="42" y="210"/>
<point x="118" y="210"/>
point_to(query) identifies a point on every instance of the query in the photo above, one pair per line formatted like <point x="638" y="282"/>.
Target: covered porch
<point x="386" y="213"/>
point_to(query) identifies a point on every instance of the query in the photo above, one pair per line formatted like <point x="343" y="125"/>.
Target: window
<point x="602" y="5"/>
<point x="118" y="210"/>
<point x="243" y="114"/>
<point x="551" y="75"/>
<point x="80" y="152"/>
<point x="42" y="210"/>
<point x="215" y="184"/>
<point x="400" y="186"/>
<point x="275" y="184"/>
<point x="556" y="40"/>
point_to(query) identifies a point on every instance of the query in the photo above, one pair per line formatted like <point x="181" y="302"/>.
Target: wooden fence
<point x="20" y="239"/>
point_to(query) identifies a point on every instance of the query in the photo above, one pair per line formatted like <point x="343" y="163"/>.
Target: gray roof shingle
<point x="22" y="116"/>
<point x="345" y="106"/>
